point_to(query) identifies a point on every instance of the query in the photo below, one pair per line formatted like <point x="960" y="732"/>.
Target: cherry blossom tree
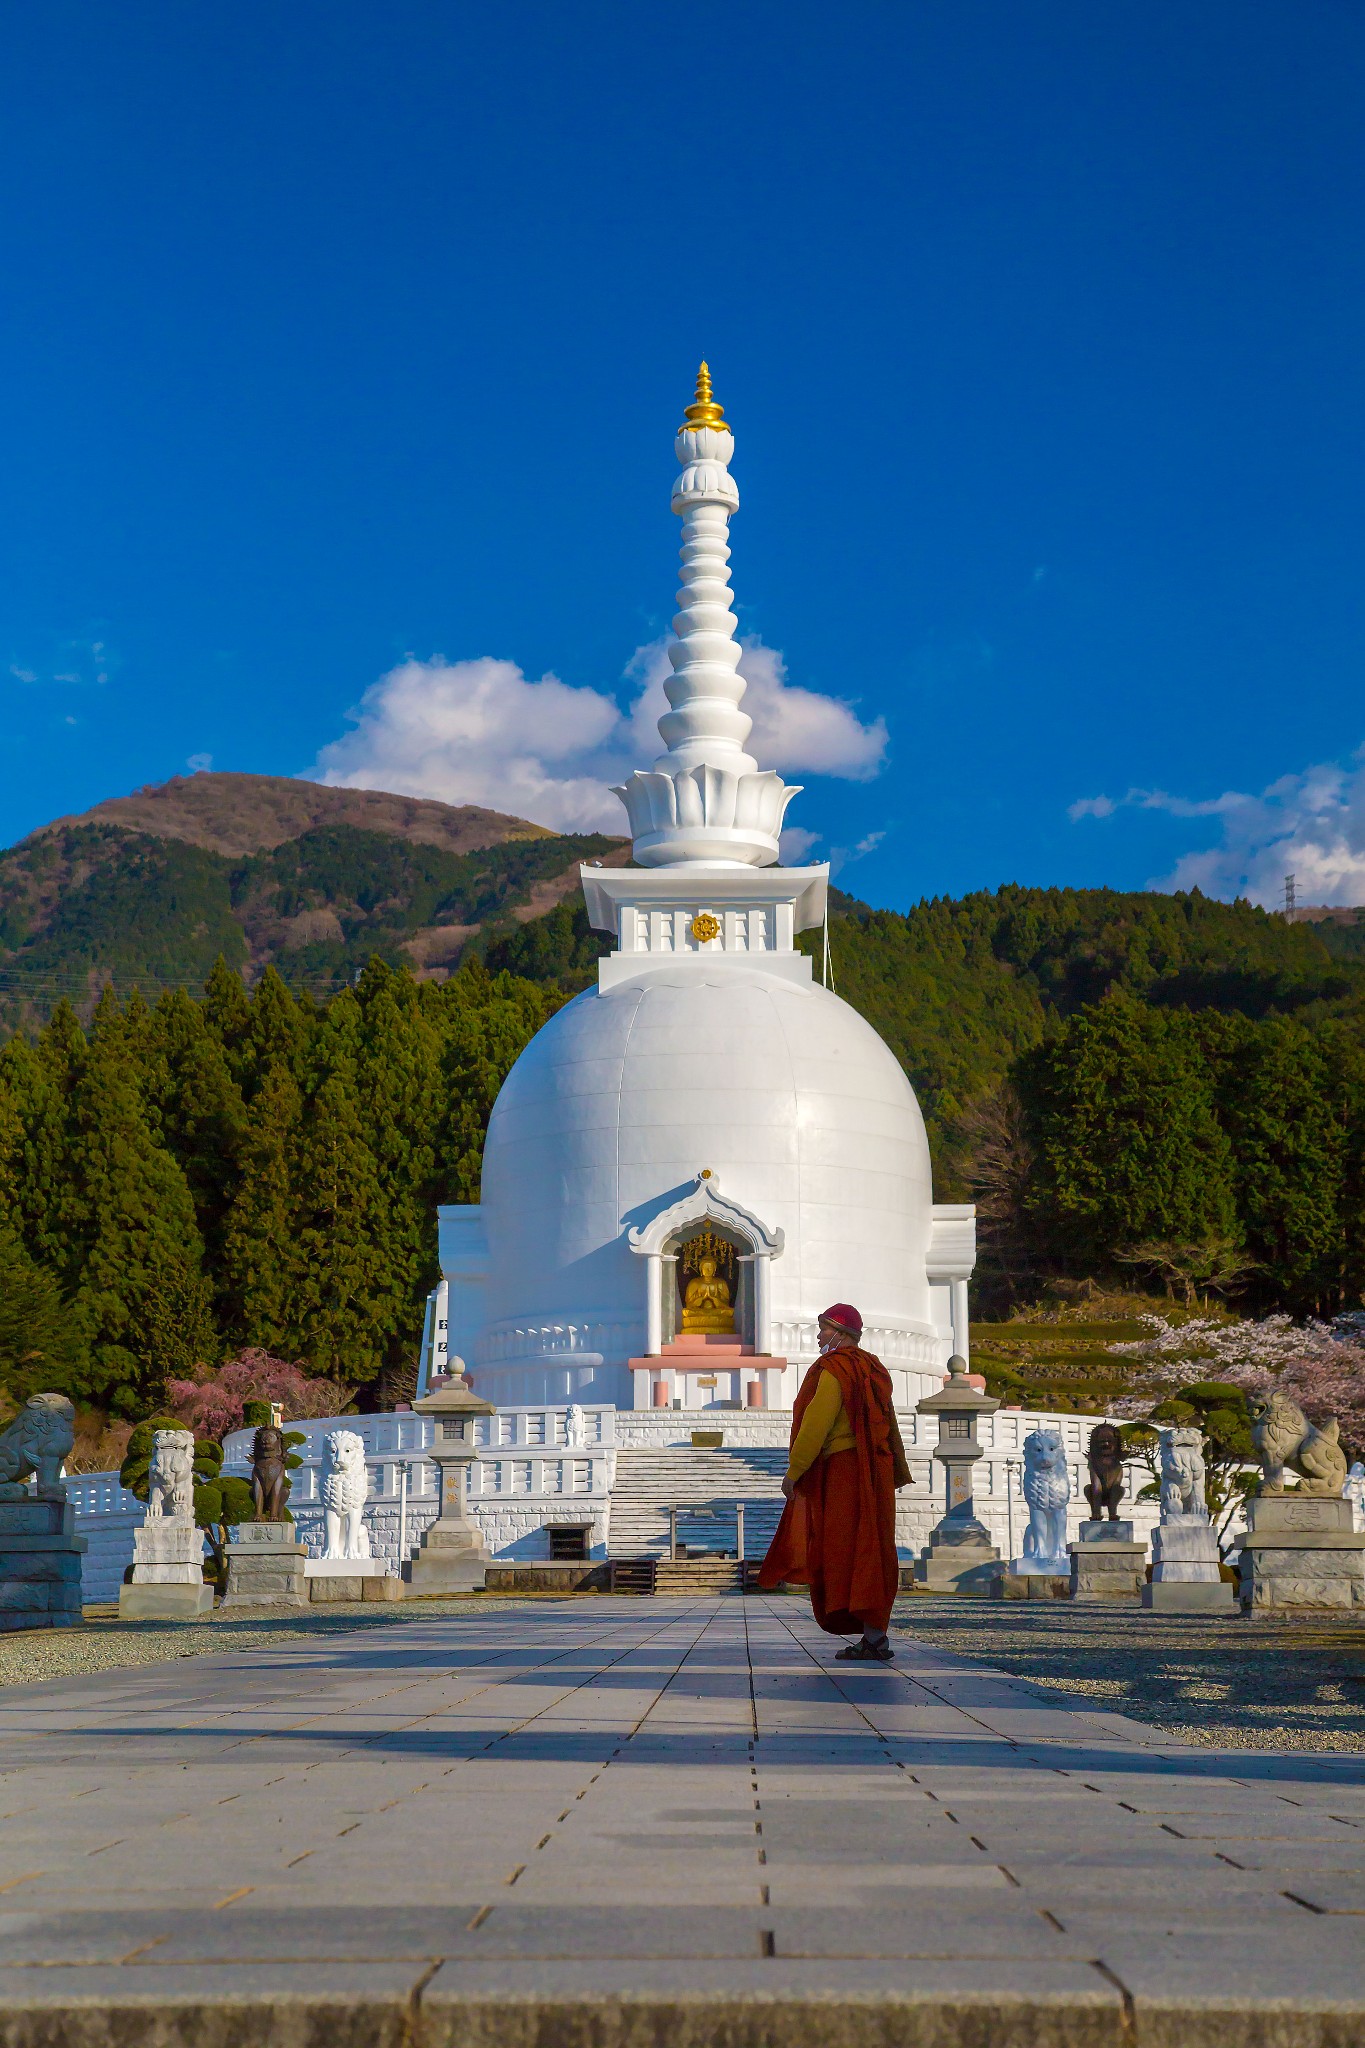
<point x="212" y="1404"/>
<point x="1321" y="1366"/>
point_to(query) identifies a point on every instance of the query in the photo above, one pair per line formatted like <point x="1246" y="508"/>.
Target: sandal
<point x="863" y="1652"/>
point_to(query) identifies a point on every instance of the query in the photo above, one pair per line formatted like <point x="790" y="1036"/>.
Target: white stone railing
<point x="525" y="1474"/>
<point x="99" y="1493"/>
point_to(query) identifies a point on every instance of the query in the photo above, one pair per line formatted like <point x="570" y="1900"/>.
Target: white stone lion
<point x="39" y="1440"/>
<point x="1284" y="1436"/>
<point x="170" y="1478"/>
<point x="1047" y="1489"/>
<point x="345" y="1487"/>
<point x="1182" y="1473"/>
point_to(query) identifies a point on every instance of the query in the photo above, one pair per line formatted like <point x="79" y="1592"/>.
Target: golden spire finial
<point x="704" y="411"/>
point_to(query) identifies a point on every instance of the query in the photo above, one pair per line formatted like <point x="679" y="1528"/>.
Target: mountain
<point x="149" y="889"/>
<point x="241" y="814"/>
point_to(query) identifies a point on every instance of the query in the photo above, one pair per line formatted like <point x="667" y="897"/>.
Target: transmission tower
<point x="1290" y="900"/>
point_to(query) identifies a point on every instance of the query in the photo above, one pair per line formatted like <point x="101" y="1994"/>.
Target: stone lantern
<point x="960" y="1557"/>
<point x="452" y="1556"/>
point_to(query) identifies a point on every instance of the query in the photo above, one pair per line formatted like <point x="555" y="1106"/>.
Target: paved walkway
<point x="617" y="1822"/>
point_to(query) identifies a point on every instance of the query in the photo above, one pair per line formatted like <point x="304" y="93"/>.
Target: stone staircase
<point x="705" y="1484"/>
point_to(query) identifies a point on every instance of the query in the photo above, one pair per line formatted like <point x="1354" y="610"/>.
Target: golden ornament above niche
<point x="704" y="927"/>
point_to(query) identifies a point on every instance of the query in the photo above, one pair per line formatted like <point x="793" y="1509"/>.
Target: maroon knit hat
<point x="844" y="1317"/>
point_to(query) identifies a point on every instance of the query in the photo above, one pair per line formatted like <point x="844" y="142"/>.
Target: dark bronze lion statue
<point x="1106" y="1472"/>
<point x="269" y="1475"/>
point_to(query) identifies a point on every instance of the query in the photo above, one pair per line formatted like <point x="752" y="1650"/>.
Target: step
<point x="693" y="1576"/>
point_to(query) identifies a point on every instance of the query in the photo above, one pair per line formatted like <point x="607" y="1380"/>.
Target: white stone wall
<point x="106" y="1515"/>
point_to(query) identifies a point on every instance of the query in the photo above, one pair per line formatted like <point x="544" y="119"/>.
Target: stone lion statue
<point x="1047" y="1489"/>
<point x="1182" y="1473"/>
<point x="345" y="1485"/>
<point x="170" y="1478"/>
<point x="1105" y="1456"/>
<point x="1286" y="1439"/>
<point x="39" y="1440"/>
<point x="269" y="1475"/>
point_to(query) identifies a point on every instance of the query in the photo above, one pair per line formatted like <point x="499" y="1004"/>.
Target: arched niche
<point x="668" y="1242"/>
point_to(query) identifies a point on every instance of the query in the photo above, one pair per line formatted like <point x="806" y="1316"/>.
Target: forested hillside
<point x="186" y="1179"/>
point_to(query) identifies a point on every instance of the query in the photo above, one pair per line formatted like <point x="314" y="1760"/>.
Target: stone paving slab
<point x="605" y="1823"/>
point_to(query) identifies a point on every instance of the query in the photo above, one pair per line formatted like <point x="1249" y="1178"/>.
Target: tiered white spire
<point x="705" y="799"/>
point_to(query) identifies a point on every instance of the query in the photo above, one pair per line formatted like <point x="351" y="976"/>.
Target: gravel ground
<point x="1224" y="1683"/>
<point x="106" y="1642"/>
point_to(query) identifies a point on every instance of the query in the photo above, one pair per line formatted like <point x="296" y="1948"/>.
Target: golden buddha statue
<point x="707" y="1307"/>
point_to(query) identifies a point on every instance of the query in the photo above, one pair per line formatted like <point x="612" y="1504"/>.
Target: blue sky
<point x="347" y="342"/>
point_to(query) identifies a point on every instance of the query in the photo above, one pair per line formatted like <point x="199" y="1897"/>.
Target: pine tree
<point x="341" y="1308"/>
<point x="1275" y="1102"/>
<point x="277" y="1033"/>
<point x="227" y="1013"/>
<point x="260" y="1267"/>
<point x="399" y="1085"/>
<point x="200" y="1108"/>
<point x="486" y="1023"/>
<point x="1127" y="1140"/>
<point x="41" y="1082"/>
<point x="141" y="1292"/>
<point x="42" y="1348"/>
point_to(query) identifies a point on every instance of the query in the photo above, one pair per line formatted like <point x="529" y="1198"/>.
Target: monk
<point x="838" y="1530"/>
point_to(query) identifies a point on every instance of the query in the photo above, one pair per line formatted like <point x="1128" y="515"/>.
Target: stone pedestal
<point x="959" y="1557"/>
<point x="1301" y="1550"/>
<point x="168" y="1573"/>
<point x="1030" y="1585"/>
<point x="40" y="1563"/>
<point x="452" y="1558"/>
<point x="347" y="1578"/>
<point x="1106" y="1564"/>
<point x="265" y="1566"/>
<point x="1040" y="1567"/>
<point x="1185" y="1574"/>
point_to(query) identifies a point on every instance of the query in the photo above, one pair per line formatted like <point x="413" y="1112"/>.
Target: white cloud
<point x="79" y="662"/>
<point x="843" y="856"/>
<point x="199" y="764"/>
<point x="795" y="843"/>
<point x="1310" y="825"/>
<point x="482" y="732"/>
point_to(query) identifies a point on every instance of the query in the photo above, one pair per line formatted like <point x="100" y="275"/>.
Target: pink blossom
<point x="213" y="1405"/>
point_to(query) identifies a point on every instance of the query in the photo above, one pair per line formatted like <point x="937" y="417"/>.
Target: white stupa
<point x="693" y="1158"/>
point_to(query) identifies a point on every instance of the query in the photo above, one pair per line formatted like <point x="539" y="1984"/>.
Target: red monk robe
<point x="838" y="1530"/>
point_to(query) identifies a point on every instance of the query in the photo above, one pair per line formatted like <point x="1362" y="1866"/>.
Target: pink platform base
<point x="703" y="1355"/>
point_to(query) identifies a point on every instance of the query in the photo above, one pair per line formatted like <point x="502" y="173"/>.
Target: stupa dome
<point x="781" y="1092"/>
